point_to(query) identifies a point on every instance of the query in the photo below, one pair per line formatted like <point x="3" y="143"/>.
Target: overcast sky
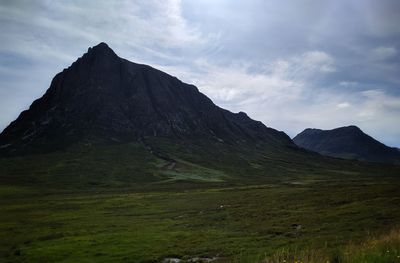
<point x="291" y="64"/>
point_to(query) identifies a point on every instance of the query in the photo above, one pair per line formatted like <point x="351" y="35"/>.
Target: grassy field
<point x="243" y="224"/>
<point x="84" y="206"/>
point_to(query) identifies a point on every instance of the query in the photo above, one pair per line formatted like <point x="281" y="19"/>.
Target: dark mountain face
<point x="346" y="142"/>
<point x="102" y="96"/>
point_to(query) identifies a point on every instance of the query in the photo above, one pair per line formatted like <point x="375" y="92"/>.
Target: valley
<point x="80" y="205"/>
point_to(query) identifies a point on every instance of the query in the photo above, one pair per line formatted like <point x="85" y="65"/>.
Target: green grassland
<point x="121" y="203"/>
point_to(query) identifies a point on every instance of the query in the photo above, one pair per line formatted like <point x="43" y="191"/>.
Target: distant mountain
<point x="346" y="142"/>
<point x="102" y="97"/>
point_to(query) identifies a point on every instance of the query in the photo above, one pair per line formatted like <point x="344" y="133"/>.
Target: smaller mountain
<point x="347" y="142"/>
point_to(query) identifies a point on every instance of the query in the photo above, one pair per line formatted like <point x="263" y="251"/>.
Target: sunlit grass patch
<point x="374" y="249"/>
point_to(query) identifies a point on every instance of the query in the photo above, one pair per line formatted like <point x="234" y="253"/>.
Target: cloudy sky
<point x="290" y="64"/>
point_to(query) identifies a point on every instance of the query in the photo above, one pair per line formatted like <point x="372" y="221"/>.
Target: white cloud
<point x="343" y="105"/>
<point x="383" y="53"/>
<point x="318" y="60"/>
<point x="149" y="26"/>
<point x="348" y="83"/>
<point x="280" y="82"/>
<point x="236" y="84"/>
<point x="379" y="100"/>
<point x="304" y="66"/>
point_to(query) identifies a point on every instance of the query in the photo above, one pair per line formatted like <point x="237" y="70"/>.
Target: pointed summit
<point x="99" y="53"/>
<point x="101" y="45"/>
<point x="101" y="48"/>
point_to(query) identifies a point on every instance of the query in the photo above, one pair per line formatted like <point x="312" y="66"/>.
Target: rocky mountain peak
<point x="105" y="97"/>
<point x="101" y="49"/>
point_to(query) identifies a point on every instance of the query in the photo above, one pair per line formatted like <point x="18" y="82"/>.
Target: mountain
<point x="346" y="142"/>
<point x="102" y="97"/>
<point x="108" y="123"/>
